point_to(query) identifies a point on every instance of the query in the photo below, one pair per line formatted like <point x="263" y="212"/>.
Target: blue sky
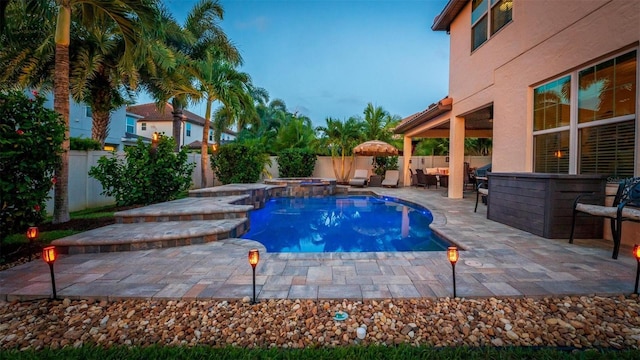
<point x="330" y="58"/>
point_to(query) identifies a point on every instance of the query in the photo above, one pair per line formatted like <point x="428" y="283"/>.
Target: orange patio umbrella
<point x="375" y="148"/>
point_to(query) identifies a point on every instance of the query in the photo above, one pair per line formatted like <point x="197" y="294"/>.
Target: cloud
<point x="260" y="23"/>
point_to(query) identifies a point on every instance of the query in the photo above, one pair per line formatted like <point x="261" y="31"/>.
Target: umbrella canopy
<point x="375" y="148"/>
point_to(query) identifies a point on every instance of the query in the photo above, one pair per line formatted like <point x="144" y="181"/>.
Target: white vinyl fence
<point x="84" y="191"/>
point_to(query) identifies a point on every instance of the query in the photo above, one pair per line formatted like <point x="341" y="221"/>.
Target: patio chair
<point x="626" y="207"/>
<point x="360" y="178"/>
<point x="482" y="191"/>
<point x="426" y="180"/>
<point x="391" y="178"/>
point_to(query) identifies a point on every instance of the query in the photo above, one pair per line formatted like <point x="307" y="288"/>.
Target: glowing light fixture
<point x="49" y="256"/>
<point x="254" y="258"/>
<point x="636" y="254"/>
<point x="452" y="255"/>
<point x="32" y="235"/>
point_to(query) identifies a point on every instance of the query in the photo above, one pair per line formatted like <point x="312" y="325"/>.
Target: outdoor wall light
<point x="452" y="254"/>
<point x="254" y="257"/>
<point x="32" y="235"/>
<point x="636" y="254"/>
<point x="49" y="256"/>
<point x="155" y="138"/>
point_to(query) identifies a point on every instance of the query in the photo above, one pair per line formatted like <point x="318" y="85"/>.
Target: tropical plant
<point x="218" y="80"/>
<point x="340" y="138"/>
<point x="378" y="123"/>
<point x="238" y="163"/>
<point x="296" y="162"/>
<point x="125" y="16"/>
<point x="174" y="80"/>
<point x="296" y="132"/>
<point x="383" y="163"/>
<point x="149" y="173"/>
<point x="30" y="145"/>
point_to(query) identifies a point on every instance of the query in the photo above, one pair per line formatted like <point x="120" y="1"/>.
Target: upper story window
<point x="131" y="125"/>
<point x="188" y="129"/>
<point x="143" y="126"/>
<point x="88" y="112"/>
<point x="484" y="26"/>
<point x="210" y="135"/>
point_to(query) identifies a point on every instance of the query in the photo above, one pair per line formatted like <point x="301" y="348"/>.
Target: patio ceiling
<point x="434" y="122"/>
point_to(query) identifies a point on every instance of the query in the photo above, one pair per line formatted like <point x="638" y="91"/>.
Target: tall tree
<point x="218" y="80"/>
<point x="340" y="138"/>
<point x="124" y="13"/>
<point x="174" y="80"/>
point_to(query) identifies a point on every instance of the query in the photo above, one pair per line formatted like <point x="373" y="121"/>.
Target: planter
<point x="375" y="181"/>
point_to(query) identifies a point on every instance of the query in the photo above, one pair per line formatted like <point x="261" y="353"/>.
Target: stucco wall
<point x="544" y="40"/>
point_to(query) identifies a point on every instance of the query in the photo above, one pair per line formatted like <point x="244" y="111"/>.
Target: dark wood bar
<point x="542" y="203"/>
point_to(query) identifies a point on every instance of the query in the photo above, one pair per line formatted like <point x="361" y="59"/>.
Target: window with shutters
<point x="602" y="130"/>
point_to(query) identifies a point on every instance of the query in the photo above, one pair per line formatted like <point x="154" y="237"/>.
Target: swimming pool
<point x="343" y="224"/>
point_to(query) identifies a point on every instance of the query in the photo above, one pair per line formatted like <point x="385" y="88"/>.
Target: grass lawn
<point x="352" y="352"/>
<point x="15" y="248"/>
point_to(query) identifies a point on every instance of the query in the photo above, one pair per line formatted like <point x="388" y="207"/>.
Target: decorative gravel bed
<point x="569" y="322"/>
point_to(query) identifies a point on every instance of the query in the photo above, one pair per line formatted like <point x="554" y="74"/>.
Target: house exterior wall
<point x="545" y="39"/>
<point x="80" y="124"/>
<point x="166" y="128"/>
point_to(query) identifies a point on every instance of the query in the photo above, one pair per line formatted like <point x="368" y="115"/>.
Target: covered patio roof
<point x="434" y="121"/>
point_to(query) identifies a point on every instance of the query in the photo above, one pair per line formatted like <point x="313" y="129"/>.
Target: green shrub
<point x="31" y="139"/>
<point x="296" y="162"/>
<point x="238" y="163"/>
<point x="146" y="176"/>
<point x="383" y="163"/>
<point x="84" y="144"/>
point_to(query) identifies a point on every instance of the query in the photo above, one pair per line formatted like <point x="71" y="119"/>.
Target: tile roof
<point x="425" y="115"/>
<point x="150" y="112"/>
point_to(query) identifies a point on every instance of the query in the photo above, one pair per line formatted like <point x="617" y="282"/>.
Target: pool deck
<point x="498" y="260"/>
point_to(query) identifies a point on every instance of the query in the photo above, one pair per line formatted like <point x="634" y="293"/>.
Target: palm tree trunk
<point x="101" y="111"/>
<point x="100" y="125"/>
<point x="61" y="106"/>
<point x="204" y="149"/>
<point x="177" y="122"/>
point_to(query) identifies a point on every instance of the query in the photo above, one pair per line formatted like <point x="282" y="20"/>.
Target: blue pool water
<point x="342" y="224"/>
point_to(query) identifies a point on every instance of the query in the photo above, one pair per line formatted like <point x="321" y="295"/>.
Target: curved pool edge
<point x="439" y="219"/>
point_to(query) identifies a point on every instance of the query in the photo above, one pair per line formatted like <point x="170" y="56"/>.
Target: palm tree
<point x="296" y="132"/>
<point x="340" y="138"/>
<point x="218" y="80"/>
<point x="123" y="13"/>
<point x="168" y="71"/>
<point x="378" y="123"/>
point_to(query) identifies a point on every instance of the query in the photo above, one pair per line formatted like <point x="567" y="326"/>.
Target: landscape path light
<point x="32" y="235"/>
<point x="636" y="254"/>
<point x="49" y="256"/>
<point x="452" y="254"/>
<point x="254" y="258"/>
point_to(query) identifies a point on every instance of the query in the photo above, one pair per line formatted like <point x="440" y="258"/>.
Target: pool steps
<point x="208" y="214"/>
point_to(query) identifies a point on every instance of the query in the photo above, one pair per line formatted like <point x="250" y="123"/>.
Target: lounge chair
<point x="391" y="178"/>
<point x="360" y="178"/>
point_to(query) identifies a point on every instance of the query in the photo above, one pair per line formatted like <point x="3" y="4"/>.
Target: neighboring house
<point x="553" y="83"/>
<point x="151" y="120"/>
<point x="80" y="123"/>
